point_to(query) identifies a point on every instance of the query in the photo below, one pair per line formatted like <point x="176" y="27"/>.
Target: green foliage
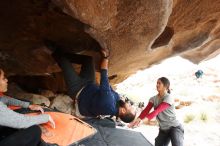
<point x="189" y="118"/>
<point x="204" y="117"/>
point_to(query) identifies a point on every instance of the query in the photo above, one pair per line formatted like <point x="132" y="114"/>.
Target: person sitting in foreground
<point x="24" y="129"/>
<point x="91" y="100"/>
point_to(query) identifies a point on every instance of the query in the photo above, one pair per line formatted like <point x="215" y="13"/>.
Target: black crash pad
<point x="108" y="135"/>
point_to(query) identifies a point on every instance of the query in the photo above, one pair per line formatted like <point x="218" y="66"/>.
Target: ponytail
<point x="1" y="71"/>
<point x="168" y="90"/>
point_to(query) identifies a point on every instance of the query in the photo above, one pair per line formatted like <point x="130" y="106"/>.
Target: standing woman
<point x="164" y="111"/>
<point x="23" y="129"/>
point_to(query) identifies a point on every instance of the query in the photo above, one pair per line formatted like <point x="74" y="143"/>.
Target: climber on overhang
<point x="91" y="100"/>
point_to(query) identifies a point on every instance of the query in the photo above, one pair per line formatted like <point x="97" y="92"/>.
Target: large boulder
<point x="138" y="33"/>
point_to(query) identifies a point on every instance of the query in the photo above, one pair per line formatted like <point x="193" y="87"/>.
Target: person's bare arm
<point x="105" y="54"/>
<point x="104" y="83"/>
<point x="104" y="63"/>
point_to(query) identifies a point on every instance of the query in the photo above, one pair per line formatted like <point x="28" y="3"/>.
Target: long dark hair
<point x="1" y="71"/>
<point x="166" y="83"/>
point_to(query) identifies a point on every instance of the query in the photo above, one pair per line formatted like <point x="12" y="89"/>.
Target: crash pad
<point x="108" y="135"/>
<point x="69" y="129"/>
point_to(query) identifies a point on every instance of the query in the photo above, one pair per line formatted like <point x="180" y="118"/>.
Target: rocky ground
<point x="197" y="100"/>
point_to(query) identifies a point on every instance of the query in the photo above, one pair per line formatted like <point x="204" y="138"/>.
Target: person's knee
<point x="158" y="141"/>
<point x="177" y="135"/>
<point x="163" y="138"/>
<point x="177" y="130"/>
<point x="35" y="129"/>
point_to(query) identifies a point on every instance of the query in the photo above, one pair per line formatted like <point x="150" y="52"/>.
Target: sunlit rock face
<point x="196" y="27"/>
<point x="138" y="33"/>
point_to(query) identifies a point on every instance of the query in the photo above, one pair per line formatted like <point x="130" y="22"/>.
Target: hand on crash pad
<point x="36" y="108"/>
<point x="52" y="123"/>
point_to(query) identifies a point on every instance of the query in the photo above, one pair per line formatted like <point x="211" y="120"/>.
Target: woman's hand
<point x="36" y="108"/>
<point x="52" y="123"/>
<point x="135" y="123"/>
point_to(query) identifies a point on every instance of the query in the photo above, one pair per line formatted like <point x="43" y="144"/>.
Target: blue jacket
<point x="97" y="100"/>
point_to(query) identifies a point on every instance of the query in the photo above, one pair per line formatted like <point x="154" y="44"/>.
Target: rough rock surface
<point x="63" y="103"/>
<point x="139" y="33"/>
